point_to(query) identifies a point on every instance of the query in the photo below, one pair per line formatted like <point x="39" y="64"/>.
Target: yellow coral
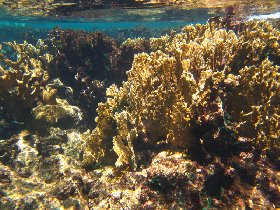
<point x="51" y="113"/>
<point x="23" y="81"/>
<point x="184" y="75"/>
<point x="255" y="104"/>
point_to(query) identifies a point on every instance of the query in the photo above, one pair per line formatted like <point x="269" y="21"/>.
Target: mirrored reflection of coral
<point x="144" y="8"/>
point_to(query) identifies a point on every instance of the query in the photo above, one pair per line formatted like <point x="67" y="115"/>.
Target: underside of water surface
<point x="139" y="104"/>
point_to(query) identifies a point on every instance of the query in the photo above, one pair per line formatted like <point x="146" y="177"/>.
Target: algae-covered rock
<point x="174" y="181"/>
<point x="60" y="113"/>
<point x="42" y="172"/>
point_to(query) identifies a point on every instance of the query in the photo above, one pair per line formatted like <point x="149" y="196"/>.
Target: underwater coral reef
<point x="190" y="120"/>
<point x="192" y="79"/>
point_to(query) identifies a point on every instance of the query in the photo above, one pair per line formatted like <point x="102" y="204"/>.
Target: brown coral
<point x="22" y="81"/>
<point x="186" y="80"/>
<point x="254" y="104"/>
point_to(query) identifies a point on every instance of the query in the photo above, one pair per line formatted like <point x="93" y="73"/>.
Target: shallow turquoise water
<point x="91" y="26"/>
<point x="113" y="21"/>
<point x="127" y="22"/>
<point x="109" y="20"/>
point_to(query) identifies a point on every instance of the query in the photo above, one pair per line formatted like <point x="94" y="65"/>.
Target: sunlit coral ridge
<point x="191" y="78"/>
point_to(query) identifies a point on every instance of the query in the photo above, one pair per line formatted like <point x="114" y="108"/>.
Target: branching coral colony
<point x="22" y="81"/>
<point x="202" y="74"/>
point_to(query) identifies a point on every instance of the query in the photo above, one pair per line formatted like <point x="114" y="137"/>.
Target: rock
<point x="60" y="115"/>
<point x="64" y="190"/>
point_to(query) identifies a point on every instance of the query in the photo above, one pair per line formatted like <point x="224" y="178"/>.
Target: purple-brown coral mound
<point x="89" y="62"/>
<point x="80" y="50"/>
<point x="83" y="63"/>
<point x="122" y="61"/>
